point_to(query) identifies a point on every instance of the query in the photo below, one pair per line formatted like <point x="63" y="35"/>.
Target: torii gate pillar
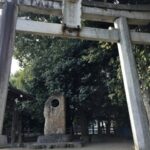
<point x="7" y="32"/>
<point x="139" y="122"/>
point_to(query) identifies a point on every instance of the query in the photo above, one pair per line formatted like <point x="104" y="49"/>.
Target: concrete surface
<point x="3" y="140"/>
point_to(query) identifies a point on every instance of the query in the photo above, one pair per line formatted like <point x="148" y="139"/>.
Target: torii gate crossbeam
<point x="120" y="35"/>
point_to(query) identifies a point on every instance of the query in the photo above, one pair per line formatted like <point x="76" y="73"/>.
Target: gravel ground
<point x="123" y="145"/>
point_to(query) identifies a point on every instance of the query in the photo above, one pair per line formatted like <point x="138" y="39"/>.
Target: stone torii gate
<point x="73" y="11"/>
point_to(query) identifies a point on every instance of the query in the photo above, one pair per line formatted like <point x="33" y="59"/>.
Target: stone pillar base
<point x="3" y="140"/>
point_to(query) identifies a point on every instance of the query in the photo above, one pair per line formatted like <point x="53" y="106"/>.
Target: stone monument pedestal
<point x="56" y="141"/>
<point x="3" y="140"/>
<point x="54" y="138"/>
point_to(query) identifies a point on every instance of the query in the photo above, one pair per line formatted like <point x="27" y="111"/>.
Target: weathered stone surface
<point x="54" y="138"/>
<point x="57" y="145"/>
<point x="55" y="115"/>
<point x="3" y="140"/>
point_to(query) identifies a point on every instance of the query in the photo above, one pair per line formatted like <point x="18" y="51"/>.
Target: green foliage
<point x="143" y="63"/>
<point x="86" y="72"/>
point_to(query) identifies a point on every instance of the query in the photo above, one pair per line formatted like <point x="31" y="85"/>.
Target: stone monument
<point x="55" y="115"/>
<point x="55" y="120"/>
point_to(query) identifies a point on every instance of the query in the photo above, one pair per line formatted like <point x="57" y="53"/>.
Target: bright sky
<point x="14" y="66"/>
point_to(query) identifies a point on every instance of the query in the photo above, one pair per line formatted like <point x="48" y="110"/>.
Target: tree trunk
<point x="84" y="126"/>
<point x="93" y="128"/>
<point x="99" y="128"/>
<point x="13" y="127"/>
<point x="20" y="130"/>
<point x="108" y="127"/>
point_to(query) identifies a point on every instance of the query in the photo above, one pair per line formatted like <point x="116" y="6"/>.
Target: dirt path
<point x="124" y="145"/>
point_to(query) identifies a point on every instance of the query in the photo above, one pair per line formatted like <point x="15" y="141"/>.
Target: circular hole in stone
<point x="55" y="103"/>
